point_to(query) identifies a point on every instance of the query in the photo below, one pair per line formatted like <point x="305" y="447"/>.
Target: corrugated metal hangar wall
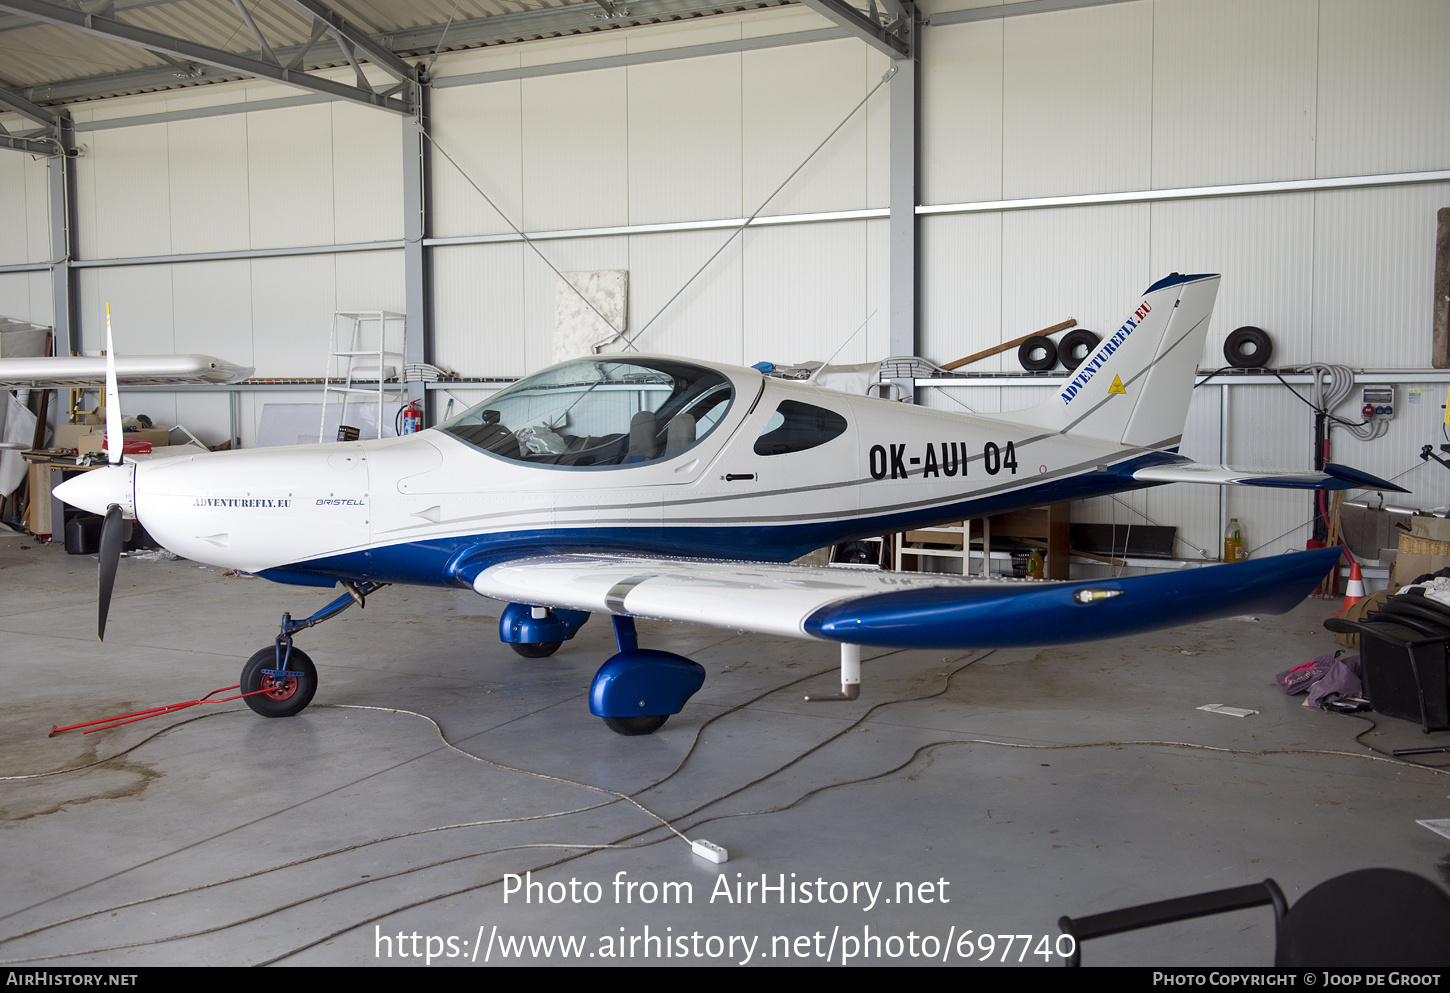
<point x="1121" y="98"/>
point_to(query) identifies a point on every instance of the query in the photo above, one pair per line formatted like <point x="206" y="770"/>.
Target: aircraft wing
<point x="131" y="370"/>
<point x="902" y="610"/>
<point x="1334" y="477"/>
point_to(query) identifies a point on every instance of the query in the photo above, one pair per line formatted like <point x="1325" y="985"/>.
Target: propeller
<point x="112" y="537"/>
<point x="109" y="491"/>
<point x="113" y="530"/>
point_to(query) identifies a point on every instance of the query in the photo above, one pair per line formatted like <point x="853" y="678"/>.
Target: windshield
<point x="599" y="413"/>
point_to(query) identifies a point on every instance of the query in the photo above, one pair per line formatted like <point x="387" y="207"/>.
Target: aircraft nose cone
<point x="97" y="489"/>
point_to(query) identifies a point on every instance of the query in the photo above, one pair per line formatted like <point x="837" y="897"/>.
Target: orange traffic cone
<point x="1354" y="592"/>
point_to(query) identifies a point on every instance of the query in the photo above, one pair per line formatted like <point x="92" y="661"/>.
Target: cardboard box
<point x="1425" y="549"/>
<point x="37" y="514"/>
<point x="69" y="435"/>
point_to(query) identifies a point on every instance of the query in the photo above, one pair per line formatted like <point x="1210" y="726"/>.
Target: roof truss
<point x="10" y="100"/>
<point x="887" y="27"/>
<point x="267" y="64"/>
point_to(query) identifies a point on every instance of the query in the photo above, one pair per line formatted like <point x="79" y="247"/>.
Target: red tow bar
<point x="106" y="723"/>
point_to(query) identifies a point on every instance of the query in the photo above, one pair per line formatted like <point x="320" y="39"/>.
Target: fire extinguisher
<point x="412" y="418"/>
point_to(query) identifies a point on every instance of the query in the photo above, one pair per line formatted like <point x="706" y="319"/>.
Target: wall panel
<point x="1374" y="267"/>
<point x="1073" y="124"/>
<point x="42" y="306"/>
<point x="877" y="114"/>
<point x="209" y="204"/>
<point x="961" y="113"/>
<point x="1233" y="91"/>
<point x="1384" y="86"/>
<point x="37" y="208"/>
<point x="684" y="140"/>
<point x="367" y="181"/>
<point x="706" y="321"/>
<point x="212" y="303"/>
<point x="478" y="309"/>
<point x="293" y="300"/>
<point x="481" y="128"/>
<point x="130" y="174"/>
<point x="289" y="174"/>
<point x="876" y="335"/>
<point x="961" y="288"/>
<point x="793" y="98"/>
<point x="141" y="312"/>
<point x="1088" y="263"/>
<point x="371" y="281"/>
<point x="575" y="151"/>
<point x="805" y="292"/>
<point x="1263" y="247"/>
<point x="14" y="231"/>
<point x="15" y="297"/>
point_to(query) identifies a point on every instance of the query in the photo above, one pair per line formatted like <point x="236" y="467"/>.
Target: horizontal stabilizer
<point x="902" y="610"/>
<point x="1334" y="477"/>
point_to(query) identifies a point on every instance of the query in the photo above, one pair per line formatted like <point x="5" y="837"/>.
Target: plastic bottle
<point x="1233" y="542"/>
<point x="1035" y="564"/>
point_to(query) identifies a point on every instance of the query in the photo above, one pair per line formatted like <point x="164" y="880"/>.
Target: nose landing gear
<point x="284" y="674"/>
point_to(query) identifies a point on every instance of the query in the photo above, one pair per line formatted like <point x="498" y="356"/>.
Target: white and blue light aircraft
<point x="641" y="486"/>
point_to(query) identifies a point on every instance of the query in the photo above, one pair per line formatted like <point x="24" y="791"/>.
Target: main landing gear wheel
<point x="279" y="698"/>
<point x="633" y="726"/>
<point x="536" y="649"/>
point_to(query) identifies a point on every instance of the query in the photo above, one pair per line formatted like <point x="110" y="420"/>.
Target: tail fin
<point x="1135" y="388"/>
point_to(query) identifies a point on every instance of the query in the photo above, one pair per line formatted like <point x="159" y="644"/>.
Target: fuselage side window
<point x="598" y="414"/>
<point x="797" y="427"/>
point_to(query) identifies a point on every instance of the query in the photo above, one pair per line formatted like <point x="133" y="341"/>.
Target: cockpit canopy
<point x="599" y="413"/>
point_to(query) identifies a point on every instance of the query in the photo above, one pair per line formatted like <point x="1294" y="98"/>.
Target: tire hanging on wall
<point x="1043" y="348"/>
<point x="1071" y="342"/>
<point x="1247" y="347"/>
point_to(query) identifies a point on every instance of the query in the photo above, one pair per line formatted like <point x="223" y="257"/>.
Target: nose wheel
<point x="276" y="691"/>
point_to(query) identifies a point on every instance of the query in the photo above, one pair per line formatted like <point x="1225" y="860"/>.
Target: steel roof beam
<point x="318" y="30"/>
<point x="349" y="34"/>
<point x="45" y="146"/>
<point x="10" y="22"/>
<point x="10" y="100"/>
<point x="895" y="41"/>
<point x="256" y="32"/>
<point x="106" y="27"/>
<point x="573" y="19"/>
<point x="29" y="145"/>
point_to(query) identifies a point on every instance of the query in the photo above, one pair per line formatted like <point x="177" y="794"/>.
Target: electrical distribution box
<point x="1379" y="401"/>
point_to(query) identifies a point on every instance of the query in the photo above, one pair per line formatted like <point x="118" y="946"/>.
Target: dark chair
<point x="1369" y="918"/>
<point x="1405" y="651"/>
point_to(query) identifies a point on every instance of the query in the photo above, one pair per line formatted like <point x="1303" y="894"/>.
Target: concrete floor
<point x="1022" y="785"/>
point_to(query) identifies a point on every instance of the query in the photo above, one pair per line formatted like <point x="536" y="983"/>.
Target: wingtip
<point x="1361" y="480"/>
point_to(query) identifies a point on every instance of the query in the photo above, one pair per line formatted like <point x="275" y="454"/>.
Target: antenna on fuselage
<point x="843" y="344"/>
